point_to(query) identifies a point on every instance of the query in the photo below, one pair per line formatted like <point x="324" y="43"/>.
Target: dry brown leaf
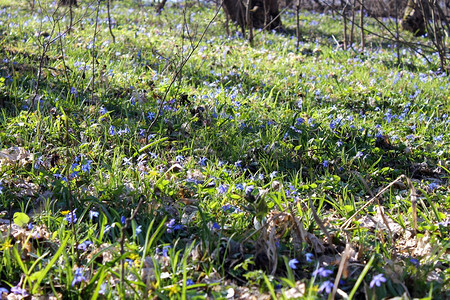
<point x="296" y="292"/>
<point x="15" y="155"/>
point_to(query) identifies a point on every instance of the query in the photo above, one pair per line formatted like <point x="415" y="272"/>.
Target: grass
<point x="262" y="154"/>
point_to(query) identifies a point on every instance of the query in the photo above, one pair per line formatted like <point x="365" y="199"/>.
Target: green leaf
<point x="21" y="219"/>
<point x="41" y="273"/>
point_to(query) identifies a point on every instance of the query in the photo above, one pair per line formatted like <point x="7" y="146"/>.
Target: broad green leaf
<point x="21" y="219"/>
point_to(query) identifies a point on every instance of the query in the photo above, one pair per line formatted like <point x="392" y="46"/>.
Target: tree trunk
<point x="262" y="13"/>
<point x="68" y="2"/>
<point x="415" y="15"/>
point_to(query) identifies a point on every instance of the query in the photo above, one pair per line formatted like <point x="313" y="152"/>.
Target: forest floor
<point x="174" y="161"/>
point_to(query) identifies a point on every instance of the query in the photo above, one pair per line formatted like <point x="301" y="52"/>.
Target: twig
<point x="108" y="4"/>
<point x="94" y="54"/>
<point x="413" y="197"/>
<point x="179" y="70"/>
<point x="342" y="264"/>
<point x="349" y="220"/>
<point x="319" y="221"/>
<point x="122" y="238"/>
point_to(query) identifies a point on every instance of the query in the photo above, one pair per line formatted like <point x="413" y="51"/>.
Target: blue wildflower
<point x="73" y="91"/>
<point x="322" y="272"/>
<point x="112" y="130"/>
<point x="415" y="262"/>
<point x="16" y="290"/>
<point x="86" y="167"/>
<point x="299" y="121"/>
<point x="438" y="138"/>
<point x="292" y="263"/>
<point x="78" y="276"/>
<point x="249" y="189"/>
<point x="84" y="245"/>
<point x="102" y="290"/>
<point x="138" y="230"/>
<point x="433" y="186"/>
<point x="203" y="161"/>
<point x="239" y="186"/>
<point x="309" y="257"/>
<point x="215" y="226"/>
<point x="325" y="163"/>
<point x="327" y="286"/>
<point x="377" y="280"/>
<point x="93" y="214"/>
<point x="71" y="217"/>
<point x="222" y="189"/>
<point x="108" y="228"/>
<point x="123" y="220"/>
<point x="189" y="282"/>
<point x="165" y="251"/>
<point x="3" y="290"/>
<point x="172" y="226"/>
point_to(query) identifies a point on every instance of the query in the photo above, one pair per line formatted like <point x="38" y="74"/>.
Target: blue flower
<point x="102" y="290"/>
<point x="84" y="245"/>
<point x="299" y="121"/>
<point x="377" y="280"/>
<point x="123" y="220"/>
<point x="292" y="263"/>
<point x="359" y="154"/>
<point x="433" y="186"/>
<point x="78" y="276"/>
<point x="189" y="282"/>
<point x="103" y="110"/>
<point x="215" y="226"/>
<point x="93" y="214"/>
<point x="108" y="228"/>
<point x="339" y="143"/>
<point x="179" y="158"/>
<point x="138" y="230"/>
<point x="3" y="290"/>
<point x="322" y="272"/>
<point x="165" y="251"/>
<point x="222" y="189"/>
<point x="151" y="115"/>
<point x="327" y="286"/>
<point x="309" y="257"/>
<point x="172" y="226"/>
<point x="86" y="167"/>
<point x="73" y="91"/>
<point x="239" y="186"/>
<point x="112" y="130"/>
<point x="19" y="291"/>
<point x="332" y="125"/>
<point x="71" y="217"/>
<point x="203" y="161"/>
<point x="415" y="262"/>
<point x="325" y="163"/>
<point x="249" y="189"/>
<point x="438" y="138"/>
<point x="60" y="176"/>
